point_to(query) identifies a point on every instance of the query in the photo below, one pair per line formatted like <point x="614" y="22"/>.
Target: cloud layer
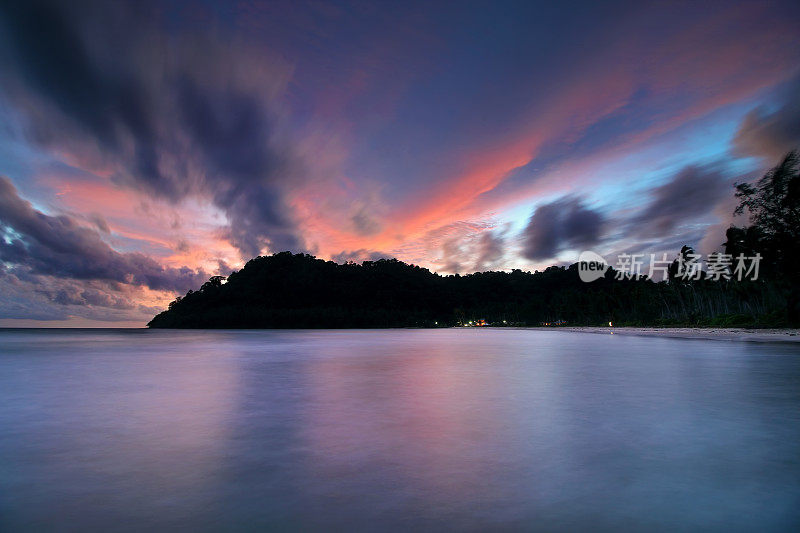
<point x="562" y="224"/>
<point x="689" y="194"/>
<point x="59" y="246"/>
<point x="148" y="144"/>
<point x="51" y="263"/>
<point x="173" y="120"/>
<point x="771" y="134"/>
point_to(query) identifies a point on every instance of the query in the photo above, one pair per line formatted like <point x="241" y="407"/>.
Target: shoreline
<point x="727" y="334"/>
<point x="707" y="333"/>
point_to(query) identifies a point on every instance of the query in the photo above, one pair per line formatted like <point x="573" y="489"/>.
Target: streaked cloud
<point x="58" y="246"/>
<point x="771" y="134"/>
<point x="561" y="224"/>
<point x="148" y="144"/>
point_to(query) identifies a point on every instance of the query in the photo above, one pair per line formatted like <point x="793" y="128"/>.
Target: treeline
<point x="288" y="290"/>
<point x="300" y="291"/>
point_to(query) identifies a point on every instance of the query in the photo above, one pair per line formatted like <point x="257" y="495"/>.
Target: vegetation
<point x="773" y="206"/>
<point x="288" y="290"/>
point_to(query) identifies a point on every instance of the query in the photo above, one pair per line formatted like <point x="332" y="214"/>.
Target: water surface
<point x="468" y="429"/>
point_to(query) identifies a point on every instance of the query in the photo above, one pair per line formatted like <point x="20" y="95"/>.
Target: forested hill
<point x="299" y="291"/>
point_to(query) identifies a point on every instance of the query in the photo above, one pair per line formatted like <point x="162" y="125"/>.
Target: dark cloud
<point x="52" y="58"/>
<point x="23" y="299"/>
<point x="82" y="296"/>
<point x="452" y="255"/>
<point x="26" y="295"/>
<point x="771" y="135"/>
<point x="59" y="246"/>
<point x="256" y="219"/>
<point x="100" y="223"/>
<point x="489" y="249"/>
<point x="692" y="193"/>
<point x="173" y="114"/>
<point x="364" y="223"/>
<point x="558" y="225"/>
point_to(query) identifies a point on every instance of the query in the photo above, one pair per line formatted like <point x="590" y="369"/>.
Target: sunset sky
<point x="147" y="146"/>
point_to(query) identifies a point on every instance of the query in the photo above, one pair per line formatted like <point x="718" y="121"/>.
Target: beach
<point x="729" y="334"/>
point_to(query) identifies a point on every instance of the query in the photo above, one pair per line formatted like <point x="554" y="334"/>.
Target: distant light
<point x="610" y="325"/>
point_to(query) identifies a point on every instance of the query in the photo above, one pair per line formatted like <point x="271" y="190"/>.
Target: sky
<point x="145" y="146"/>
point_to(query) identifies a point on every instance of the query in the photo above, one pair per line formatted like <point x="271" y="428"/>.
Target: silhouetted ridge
<point x="300" y="291"/>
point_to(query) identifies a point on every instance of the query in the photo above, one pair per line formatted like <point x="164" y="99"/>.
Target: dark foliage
<point x="773" y="206"/>
<point x="299" y="291"/>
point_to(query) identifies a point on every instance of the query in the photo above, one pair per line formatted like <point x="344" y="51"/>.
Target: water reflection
<point x="98" y="415"/>
<point x="443" y="429"/>
<point x="409" y="418"/>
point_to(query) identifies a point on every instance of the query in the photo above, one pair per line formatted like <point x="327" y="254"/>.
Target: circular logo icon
<point x="591" y="266"/>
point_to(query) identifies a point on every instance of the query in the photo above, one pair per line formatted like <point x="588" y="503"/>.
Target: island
<point x="287" y="290"/>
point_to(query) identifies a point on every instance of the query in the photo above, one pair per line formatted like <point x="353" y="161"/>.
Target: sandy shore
<point x="732" y="334"/>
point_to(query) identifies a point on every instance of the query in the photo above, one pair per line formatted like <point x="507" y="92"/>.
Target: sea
<point x="465" y="429"/>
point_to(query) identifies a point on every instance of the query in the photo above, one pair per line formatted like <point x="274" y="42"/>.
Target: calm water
<point x="396" y="429"/>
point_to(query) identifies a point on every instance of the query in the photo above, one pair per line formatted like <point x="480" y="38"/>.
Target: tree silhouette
<point x="288" y="290"/>
<point x="773" y="206"/>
